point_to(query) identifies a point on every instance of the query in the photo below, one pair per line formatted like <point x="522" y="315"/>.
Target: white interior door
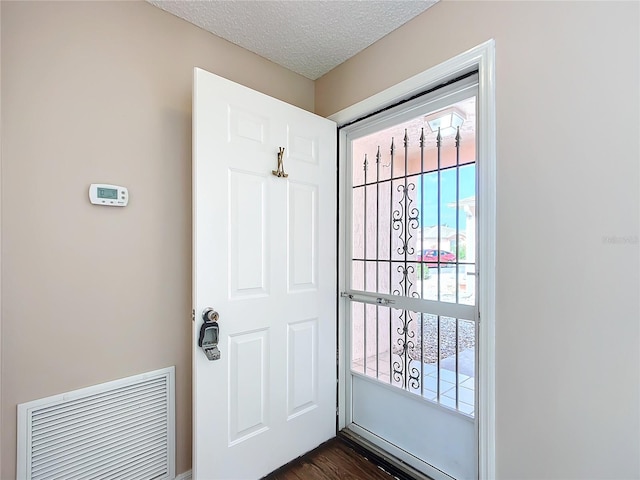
<point x="264" y="258"/>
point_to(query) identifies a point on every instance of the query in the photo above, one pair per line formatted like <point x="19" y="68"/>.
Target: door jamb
<point x="481" y="57"/>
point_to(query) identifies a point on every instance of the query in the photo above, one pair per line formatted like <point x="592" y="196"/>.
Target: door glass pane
<point x="413" y="236"/>
<point x="447" y="365"/>
<point x="427" y="355"/>
<point x="466" y="366"/>
<point x="413" y="207"/>
<point x="357" y="337"/>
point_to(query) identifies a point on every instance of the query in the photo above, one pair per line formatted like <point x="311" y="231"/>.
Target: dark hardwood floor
<point x="333" y="460"/>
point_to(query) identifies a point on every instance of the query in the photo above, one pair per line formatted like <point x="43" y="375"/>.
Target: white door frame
<point x="482" y="58"/>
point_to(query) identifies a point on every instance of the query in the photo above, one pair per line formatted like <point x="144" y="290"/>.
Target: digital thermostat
<point x="109" y="195"/>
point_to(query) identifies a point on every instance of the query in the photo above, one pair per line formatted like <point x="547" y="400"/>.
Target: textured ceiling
<point x="309" y="37"/>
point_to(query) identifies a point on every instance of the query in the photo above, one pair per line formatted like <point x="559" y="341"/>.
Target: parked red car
<point x="431" y="256"/>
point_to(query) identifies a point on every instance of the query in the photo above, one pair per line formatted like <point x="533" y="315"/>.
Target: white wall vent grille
<point x="117" y="430"/>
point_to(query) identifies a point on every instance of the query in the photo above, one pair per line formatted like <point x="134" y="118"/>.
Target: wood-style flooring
<point x="333" y="460"/>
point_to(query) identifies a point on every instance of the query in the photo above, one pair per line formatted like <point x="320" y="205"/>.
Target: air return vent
<point x="117" y="430"/>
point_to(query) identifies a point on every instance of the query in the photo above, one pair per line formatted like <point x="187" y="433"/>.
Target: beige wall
<point x="101" y="92"/>
<point x="567" y="326"/>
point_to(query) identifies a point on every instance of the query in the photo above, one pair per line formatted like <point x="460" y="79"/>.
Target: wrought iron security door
<point x="412" y="270"/>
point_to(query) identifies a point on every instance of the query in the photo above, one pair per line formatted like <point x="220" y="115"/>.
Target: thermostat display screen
<point x="108" y="193"/>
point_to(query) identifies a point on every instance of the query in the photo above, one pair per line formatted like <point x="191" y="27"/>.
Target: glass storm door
<point x="411" y="281"/>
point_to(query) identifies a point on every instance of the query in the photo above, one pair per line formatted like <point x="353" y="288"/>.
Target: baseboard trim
<point x="184" y="476"/>
<point x="389" y="463"/>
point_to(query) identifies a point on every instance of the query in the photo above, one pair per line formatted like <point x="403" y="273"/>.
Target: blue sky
<point x="429" y="216"/>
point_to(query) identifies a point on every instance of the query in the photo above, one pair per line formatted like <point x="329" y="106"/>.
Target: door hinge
<point x="193" y="314"/>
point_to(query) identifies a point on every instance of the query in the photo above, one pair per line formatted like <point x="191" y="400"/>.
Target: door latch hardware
<point x="367" y="299"/>
<point x="210" y="315"/>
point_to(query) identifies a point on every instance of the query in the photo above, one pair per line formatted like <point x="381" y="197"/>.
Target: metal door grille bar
<point x="364" y="270"/>
<point x="392" y="152"/>
<point x="377" y="256"/>
<point x="421" y="255"/>
<point x="401" y="177"/>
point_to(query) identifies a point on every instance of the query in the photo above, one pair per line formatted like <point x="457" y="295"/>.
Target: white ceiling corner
<point x="309" y="37"/>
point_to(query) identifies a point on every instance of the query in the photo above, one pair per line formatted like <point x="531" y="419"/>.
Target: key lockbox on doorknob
<point x="210" y="334"/>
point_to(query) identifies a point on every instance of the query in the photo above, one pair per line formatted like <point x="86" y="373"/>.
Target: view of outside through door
<point x="414" y="235"/>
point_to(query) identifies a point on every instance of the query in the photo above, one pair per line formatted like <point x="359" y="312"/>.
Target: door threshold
<point x="391" y="464"/>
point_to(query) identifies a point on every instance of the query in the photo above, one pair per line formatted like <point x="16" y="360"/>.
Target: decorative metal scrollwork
<point x="405" y="219"/>
<point x="405" y="282"/>
<point x="403" y="372"/>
